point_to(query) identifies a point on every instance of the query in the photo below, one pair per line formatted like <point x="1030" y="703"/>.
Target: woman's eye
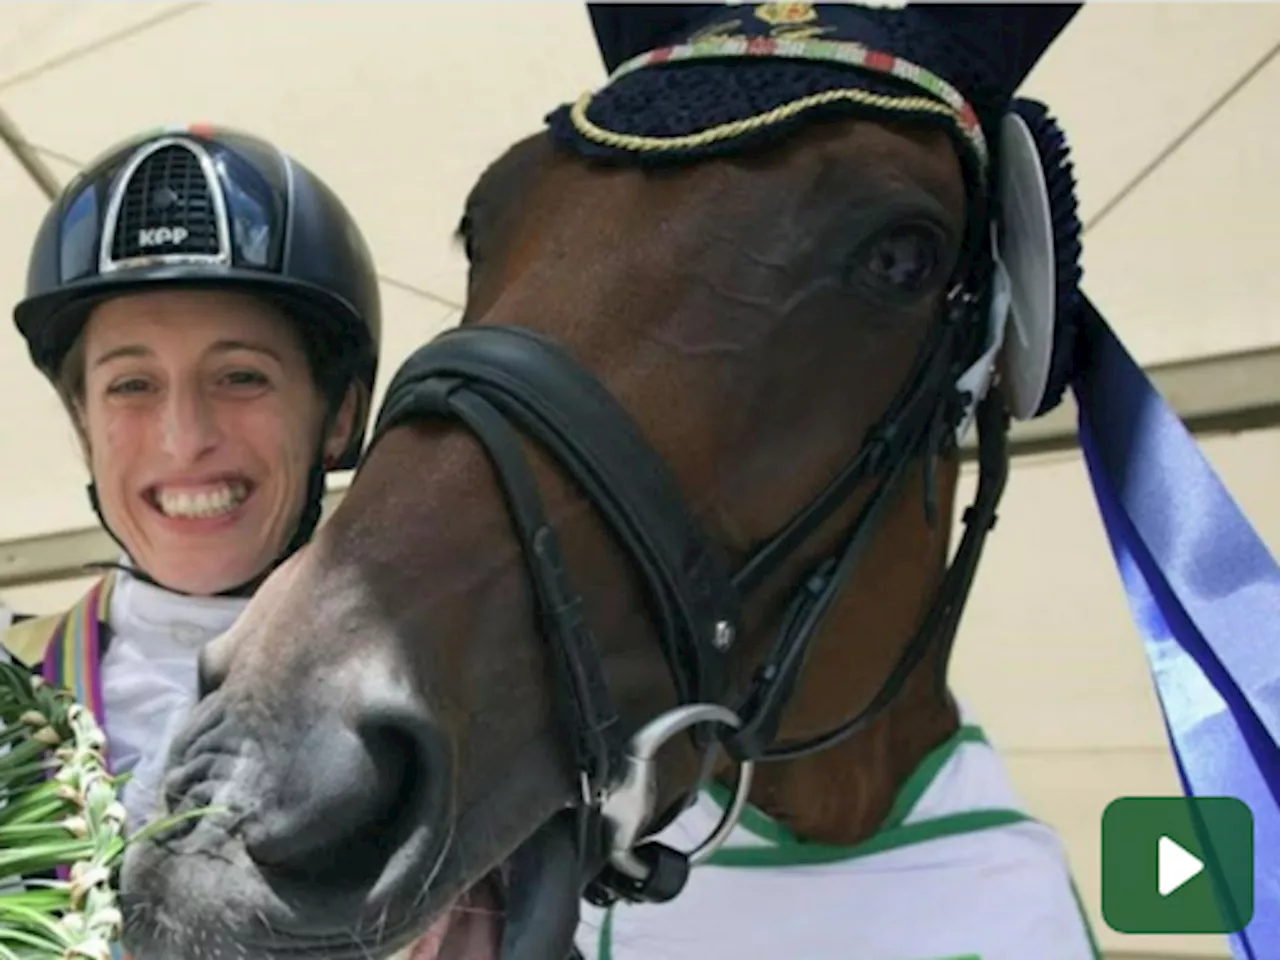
<point x="245" y="378"/>
<point x="132" y="385"/>
<point x="905" y="259"/>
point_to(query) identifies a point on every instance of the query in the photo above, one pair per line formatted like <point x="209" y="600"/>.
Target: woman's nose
<point x="189" y="424"/>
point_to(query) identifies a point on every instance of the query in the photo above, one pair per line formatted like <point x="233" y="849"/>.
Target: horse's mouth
<point x="527" y="909"/>
<point x="470" y="929"/>
<point x="524" y="909"/>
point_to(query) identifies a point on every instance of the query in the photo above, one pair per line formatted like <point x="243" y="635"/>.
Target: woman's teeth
<point x="208" y="502"/>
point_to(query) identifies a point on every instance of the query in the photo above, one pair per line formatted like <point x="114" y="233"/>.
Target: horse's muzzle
<point x="330" y="819"/>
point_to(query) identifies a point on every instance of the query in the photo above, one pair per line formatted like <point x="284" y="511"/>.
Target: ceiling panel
<point x="36" y="36"/>
<point x="42" y="485"/>
<point x="441" y="89"/>
<point x="398" y="106"/>
<point x="1126" y="79"/>
<point x="1187" y="266"/>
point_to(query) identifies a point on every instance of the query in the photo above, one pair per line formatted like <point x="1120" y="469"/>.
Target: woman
<point x="208" y="312"/>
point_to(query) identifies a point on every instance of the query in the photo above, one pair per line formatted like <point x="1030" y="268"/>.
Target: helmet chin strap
<point x="306" y="526"/>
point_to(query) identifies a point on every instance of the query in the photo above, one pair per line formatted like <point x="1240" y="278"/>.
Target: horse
<point x="682" y="478"/>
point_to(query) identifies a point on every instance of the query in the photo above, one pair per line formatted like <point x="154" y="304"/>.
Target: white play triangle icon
<point x="1174" y="866"/>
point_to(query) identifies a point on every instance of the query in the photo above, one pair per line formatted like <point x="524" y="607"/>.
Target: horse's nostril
<point x="346" y="800"/>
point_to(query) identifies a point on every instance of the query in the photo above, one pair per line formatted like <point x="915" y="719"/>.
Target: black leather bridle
<point x="505" y="382"/>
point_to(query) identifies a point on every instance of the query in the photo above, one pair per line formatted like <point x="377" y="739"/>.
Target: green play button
<point x="1177" y="865"/>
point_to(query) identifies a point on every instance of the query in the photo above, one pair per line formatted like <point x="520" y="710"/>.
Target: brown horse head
<point x="693" y="443"/>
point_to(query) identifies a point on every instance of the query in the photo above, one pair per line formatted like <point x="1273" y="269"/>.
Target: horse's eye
<point x="904" y="259"/>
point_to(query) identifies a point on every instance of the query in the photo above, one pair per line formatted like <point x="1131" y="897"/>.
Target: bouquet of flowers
<point x="61" y="825"/>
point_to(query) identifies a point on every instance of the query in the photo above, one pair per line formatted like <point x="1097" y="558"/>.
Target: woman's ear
<point x="80" y="426"/>
<point x="82" y="435"/>
<point x="343" y="424"/>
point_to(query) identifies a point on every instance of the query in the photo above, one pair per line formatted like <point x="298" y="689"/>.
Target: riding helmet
<point x="204" y="206"/>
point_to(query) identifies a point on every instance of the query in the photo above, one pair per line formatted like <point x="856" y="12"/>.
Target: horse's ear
<point x="624" y="30"/>
<point x="1009" y="37"/>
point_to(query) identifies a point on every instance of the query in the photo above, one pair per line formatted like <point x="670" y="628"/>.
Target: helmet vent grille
<point x="167" y="209"/>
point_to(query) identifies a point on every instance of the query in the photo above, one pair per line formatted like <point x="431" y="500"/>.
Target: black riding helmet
<point x="211" y="207"/>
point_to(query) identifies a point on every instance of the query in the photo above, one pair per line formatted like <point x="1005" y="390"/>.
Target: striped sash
<point x="73" y="661"/>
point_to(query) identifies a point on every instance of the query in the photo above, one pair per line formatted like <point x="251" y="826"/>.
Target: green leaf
<point x="36" y="920"/>
<point x="46" y="948"/>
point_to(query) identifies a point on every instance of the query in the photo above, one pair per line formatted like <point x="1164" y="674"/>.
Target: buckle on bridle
<point x="646" y="870"/>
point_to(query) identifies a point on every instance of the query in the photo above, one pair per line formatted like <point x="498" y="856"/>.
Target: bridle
<point x="503" y="383"/>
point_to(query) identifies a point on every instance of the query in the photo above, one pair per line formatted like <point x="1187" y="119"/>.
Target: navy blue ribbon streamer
<point x="1204" y="592"/>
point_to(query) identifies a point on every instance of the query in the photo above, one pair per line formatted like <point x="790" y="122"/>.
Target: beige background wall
<point x="399" y="106"/>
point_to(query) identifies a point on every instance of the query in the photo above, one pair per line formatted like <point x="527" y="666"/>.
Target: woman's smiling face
<point x="202" y="420"/>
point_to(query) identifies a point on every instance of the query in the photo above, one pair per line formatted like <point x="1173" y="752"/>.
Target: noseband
<point x="505" y="382"/>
